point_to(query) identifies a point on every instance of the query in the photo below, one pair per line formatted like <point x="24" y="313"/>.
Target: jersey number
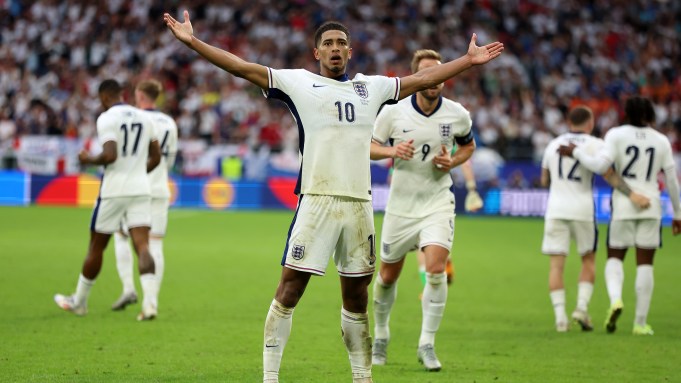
<point x="134" y="128"/>
<point x="349" y="111"/>
<point x="164" y="144"/>
<point x="571" y="175"/>
<point x="633" y="151"/>
<point x="425" y="150"/>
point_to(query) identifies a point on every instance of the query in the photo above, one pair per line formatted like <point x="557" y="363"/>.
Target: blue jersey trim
<point x="277" y="94"/>
<point x="421" y="112"/>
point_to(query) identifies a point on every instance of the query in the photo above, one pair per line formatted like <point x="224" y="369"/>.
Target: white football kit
<point x="420" y="209"/>
<point x="638" y="154"/>
<point x="166" y="131"/>
<point x="124" y="193"/>
<point x="570" y="208"/>
<point x="335" y="119"/>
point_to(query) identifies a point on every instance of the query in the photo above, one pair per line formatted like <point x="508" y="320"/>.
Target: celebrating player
<point x="638" y="153"/>
<point x="570" y="214"/>
<point x="146" y="94"/>
<point x="420" y="209"/>
<point x="130" y="150"/>
<point x="335" y="115"/>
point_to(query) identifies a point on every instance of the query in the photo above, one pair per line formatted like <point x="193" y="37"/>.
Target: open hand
<point x="404" y="150"/>
<point x="484" y="54"/>
<point x="182" y="31"/>
<point x="83" y="156"/>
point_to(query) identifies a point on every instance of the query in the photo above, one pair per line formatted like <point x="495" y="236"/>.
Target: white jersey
<point x="638" y="155"/>
<point x="417" y="188"/>
<point x="335" y="118"/>
<point x="166" y="131"/>
<point x="132" y="131"/>
<point x="571" y="190"/>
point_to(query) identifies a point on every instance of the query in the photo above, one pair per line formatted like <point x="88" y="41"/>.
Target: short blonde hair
<point x="423" y="54"/>
<point x="151" y="88"/>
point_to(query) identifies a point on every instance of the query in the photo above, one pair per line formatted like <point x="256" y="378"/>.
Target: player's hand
<point x="484" y="54"/>
<point x="182" y="31"/>
<point x="566" y="151"/>
<point x="405" y="150"/>
<point x="473" y="202"/>
<point x="639" y="200"/>
<point x="443" y="161"/>
<point x="83" y="156"/>
<point x="676" y="226"/>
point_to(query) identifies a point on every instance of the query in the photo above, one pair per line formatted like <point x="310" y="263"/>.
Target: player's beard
<point x="431" y="94"/>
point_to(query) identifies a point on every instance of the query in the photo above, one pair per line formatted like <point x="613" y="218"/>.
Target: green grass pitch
<point x="221" y="272"/>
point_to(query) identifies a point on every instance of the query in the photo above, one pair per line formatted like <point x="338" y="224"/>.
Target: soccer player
<point x="130" y="150"/>
<point x="335" y="115"/>
<point x="420" y="209"/>
<point x="570" y="214"/>
<point x="146" y="94"/>
<point x="638" y="153"/>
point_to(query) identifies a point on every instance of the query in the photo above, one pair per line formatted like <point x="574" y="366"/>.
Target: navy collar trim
<point x="421" y="112"/>
<point x="342" y="78"/>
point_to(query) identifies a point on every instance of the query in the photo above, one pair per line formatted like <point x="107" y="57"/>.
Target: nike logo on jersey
<point x="318" y="86"/>
<point x="407" y="130"/>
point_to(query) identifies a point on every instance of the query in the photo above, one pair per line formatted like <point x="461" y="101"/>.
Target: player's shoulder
<point x="454" y="107"/>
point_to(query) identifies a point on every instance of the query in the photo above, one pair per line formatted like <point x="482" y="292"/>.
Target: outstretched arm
<point x="429" y="77"/>
<point x="255" y="73"/>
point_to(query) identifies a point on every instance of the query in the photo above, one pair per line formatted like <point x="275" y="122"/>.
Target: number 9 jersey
<point x="132" y="131"/>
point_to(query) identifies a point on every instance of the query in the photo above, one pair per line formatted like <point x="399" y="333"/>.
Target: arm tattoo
<point x="617" y="182"/>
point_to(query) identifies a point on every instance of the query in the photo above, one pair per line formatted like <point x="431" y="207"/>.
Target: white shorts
<point x="558" y="232"/>
<point x="110" y="212"/>
<point x="642" y="233"/>
<point x="326" y="224"/>
<point x="159" y="216"/>
<point x="401" y="235"/>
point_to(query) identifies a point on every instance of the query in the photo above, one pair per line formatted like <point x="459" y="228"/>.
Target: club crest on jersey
<point x="445" y="131"/>
<point x="361" y="89"/>
<point x="298" y="252"/>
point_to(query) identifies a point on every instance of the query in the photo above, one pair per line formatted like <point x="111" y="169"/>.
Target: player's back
<point x="132" y="131"/>
<point x="166" y="131"/>
<point x="638" y="155"/>
<point x="571" y="189"/>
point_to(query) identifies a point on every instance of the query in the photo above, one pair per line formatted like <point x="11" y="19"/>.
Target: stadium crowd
<point x="559" y="53"/>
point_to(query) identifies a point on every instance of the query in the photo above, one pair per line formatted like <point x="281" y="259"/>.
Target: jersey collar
<point x="342" y="78"/>
<point x="421" y="112"/>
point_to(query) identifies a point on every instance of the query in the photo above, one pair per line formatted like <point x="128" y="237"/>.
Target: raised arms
<point x="255" y="73"/>
<point x="438" y="74"/>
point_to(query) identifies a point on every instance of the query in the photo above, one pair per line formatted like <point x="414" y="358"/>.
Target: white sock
<point x="355" y="329"/>
<point x="384" y="297"/>
<point x="433" y="306"/>
<point x="584" y="292"/>
<point x="277" y="330"/>
<point x="124" y="262"/>
<point x="558" y="301"/>
<point x="150" y="290"/>
<point x="644" y="293"/>
<point x="156" y="250"/>
<point x="614" y="279"/>
<point x="82" y="290"/>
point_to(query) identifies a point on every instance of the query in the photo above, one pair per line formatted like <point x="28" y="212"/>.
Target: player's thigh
<point x="138" y="211"/>
<point x="313" y="235"/>
<point x="107" y="215"/>
<point x="399" y="235"/>
<point x="647" y="233"/>
<point x="159" y="216"/>
<point x="437" y="230"/>
<point x="585" y="234"/>
<point x="621" y="233"/>
<point x="355" y="252"/>
<point x="556" y="237"/>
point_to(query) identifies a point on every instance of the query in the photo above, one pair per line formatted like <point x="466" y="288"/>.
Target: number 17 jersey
<point x="132" y="131"/>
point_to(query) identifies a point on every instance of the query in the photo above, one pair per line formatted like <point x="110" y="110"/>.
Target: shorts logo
<point x="298" y="252"/>
<point x="361" y="89"/>
<point x="386" y="248"/>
